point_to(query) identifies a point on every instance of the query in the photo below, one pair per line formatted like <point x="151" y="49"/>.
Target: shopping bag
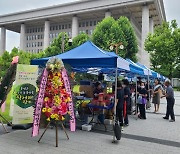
<point x="117" y="130"/>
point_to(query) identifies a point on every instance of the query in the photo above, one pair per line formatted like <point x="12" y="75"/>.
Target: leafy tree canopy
<point x="108" y="32"/>
<point x="164" y="48"/>
<point x="132" y="46"/>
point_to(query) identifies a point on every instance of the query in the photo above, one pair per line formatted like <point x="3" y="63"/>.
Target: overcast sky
<point x="9" y="6"/>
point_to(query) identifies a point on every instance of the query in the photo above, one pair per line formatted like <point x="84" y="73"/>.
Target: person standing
<point x="170" y="101"/>
<point x="156" y="95"/>
<point x="142" y="100"/>
<point x="127" y="101"/>
<point x="120" y="102"/>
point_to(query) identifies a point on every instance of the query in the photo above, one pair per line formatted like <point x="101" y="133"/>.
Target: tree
<point x="5" y="61"/>
<point x="80" y="39"/>
<point x="108" y="32"/>
<point x="130" y="37"/>
<point x="164" y="48"/>
<point x="57" y="46"/>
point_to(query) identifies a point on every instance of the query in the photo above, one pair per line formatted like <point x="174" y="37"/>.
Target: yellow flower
<point x="49" y="110"/>
<point x="56" y="116"/>
<point x="68" y="99"/>
<point x="46" y="99"/>
<point x="48" y="119"/>
<point x="44" y="110"/>
<point x="63" y="118"/>
<point x="69" y="112"/>
<point x="57" y="100"/>
<point x="52" y="116"/>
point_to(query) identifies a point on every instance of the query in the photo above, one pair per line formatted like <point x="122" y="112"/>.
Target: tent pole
<point x="136" y="107"/>
<point x="115" y="101"/>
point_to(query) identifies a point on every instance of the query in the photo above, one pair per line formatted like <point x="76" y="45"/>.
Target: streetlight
<point x="62" y="44"/>
<point x="116" y="45"/>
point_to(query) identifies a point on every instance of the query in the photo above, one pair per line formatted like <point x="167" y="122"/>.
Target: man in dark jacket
<point x="170" y="101"/>
<point x="120" y="102"/>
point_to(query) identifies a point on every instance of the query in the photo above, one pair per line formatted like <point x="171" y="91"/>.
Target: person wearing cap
<point x="170" y="101"/>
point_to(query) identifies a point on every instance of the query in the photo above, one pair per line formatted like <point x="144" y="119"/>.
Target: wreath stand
<point x="2" y="117"/>
<point x="56" y="125"/>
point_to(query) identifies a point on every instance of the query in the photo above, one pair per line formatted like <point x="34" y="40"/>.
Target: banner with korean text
<point x="39" y="104"/>
<point x="24" y="93"/>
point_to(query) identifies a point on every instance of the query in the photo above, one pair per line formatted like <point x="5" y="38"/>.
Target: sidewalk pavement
<point x="150" y="136"/>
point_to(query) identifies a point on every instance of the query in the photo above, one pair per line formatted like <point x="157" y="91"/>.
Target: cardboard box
<point x="88" y="89"/>
<point x="86" y="127"/>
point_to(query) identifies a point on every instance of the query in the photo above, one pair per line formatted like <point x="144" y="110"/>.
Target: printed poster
<point x="24" y="93"/>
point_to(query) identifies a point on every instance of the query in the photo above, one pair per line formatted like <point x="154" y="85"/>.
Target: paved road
<point x="151" y="136"/>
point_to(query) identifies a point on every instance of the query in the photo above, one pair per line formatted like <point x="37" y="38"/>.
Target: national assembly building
<point x="38" y="27"/>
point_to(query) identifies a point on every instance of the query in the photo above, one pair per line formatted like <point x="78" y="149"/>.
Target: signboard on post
<point x="24" y="91"/>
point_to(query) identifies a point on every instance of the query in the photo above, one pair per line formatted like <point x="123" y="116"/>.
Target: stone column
<point x="46" y="34"/>
<point x="107" y="14"/>
<point x="2" y="40"/>
<point x="145" y="30"/>
<point x="22" y="37"/>
<point x="151" y="25"/>
<point x="75" y="26"/>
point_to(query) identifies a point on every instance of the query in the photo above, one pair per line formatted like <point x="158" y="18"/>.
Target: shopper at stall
<point x="170" y="101"/>
<point x="142" y="100"/>
<point x="127" y="102"/>
<point x="120" y="102"/>
<point x="156" y="95"/>
<point x="98" y="90"/>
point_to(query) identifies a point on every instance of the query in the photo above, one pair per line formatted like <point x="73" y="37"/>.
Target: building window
<point x="54" y="35"/>
<point x="65" y="26"/>
<point x="27" y="30"/>
<point x="87" y="31"/>
<point x="57" y="34"/>
<point x="95" y="23"/>
<point x="91" y="31"/>
<point x="87" y="23"/>
<point x="69" y="26"/>
<point x="83" y="24"/>
<point x="90" y="23"/>
<point x="30" y="30"/>
<point x="38" y="29"/>
<point x="42" y="36"/>
<point x="41" y="29"/>
<point x="59" y="26"/>
<point x="62" y="26"/>
<point x="41" y="44"/>
<point x="56" y="27"/>
<point x="80" y="24"/>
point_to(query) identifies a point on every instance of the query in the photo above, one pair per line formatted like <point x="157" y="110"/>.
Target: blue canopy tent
<point x="154" y="74"/>
<point x="88" y="56"/>
<point x="144" y="70"/>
